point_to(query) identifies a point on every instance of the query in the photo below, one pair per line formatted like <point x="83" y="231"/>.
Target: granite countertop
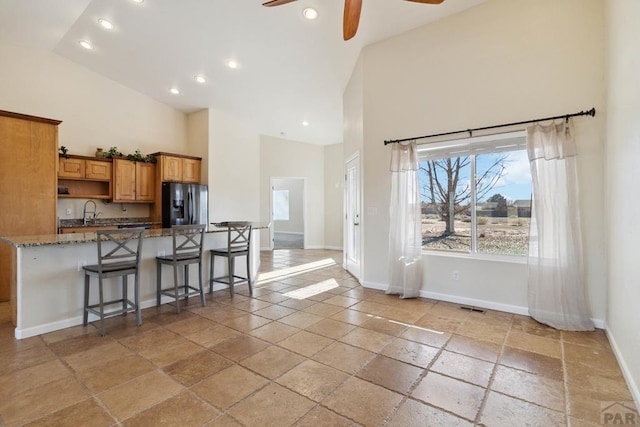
<point x="75" y="223"/>
<point x="73" y="238"/>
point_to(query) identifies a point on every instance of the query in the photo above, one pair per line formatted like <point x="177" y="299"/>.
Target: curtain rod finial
<point x="592" y="112"/>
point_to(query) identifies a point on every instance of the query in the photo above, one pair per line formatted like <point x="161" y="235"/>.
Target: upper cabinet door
<point x="145" y="182"/>
<point x="171" y="169"/>
<point x="95" y="169"/>
<point x="191" y="171"/>
<point x="124" y="180"/>
<point x="71" y="168"/>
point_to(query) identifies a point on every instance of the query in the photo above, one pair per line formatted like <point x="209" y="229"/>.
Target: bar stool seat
<point x="187" y="250"/>
<point x="238" y="244"/>
<point x="124" y="246"/>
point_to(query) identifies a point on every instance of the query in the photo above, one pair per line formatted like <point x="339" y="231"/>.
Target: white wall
<point x="622" y="175"/>
<point x="333" y="196"/>
<point x="284" y="158"/>
<point x="498" y="62"/>
<point x="95" y="112"/>
<point x="234" y="169"/>
<point x="198" y="140"/>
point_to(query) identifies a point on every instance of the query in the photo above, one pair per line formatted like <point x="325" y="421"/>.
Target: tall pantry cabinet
<point x="28" y="196"/>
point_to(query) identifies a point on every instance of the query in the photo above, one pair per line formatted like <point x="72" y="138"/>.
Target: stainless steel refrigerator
<point x="184" y="204"/>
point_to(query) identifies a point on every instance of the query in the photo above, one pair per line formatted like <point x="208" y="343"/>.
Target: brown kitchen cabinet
<point x="84" y="177"/>
<point x="178" y="168"/>
<point x="28" y="164"/>
<point x="133" y="181"/>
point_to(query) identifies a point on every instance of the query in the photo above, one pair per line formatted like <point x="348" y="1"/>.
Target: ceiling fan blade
<point x="277" y="2"/>
<point x="351" y="19"/>
<point x="427" y="1"/>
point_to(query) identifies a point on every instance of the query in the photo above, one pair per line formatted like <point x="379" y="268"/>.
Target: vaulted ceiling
<point x="289" y="70"/>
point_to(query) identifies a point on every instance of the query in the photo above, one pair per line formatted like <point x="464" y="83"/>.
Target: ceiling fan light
<point x="175" y="91"/>
<point x="305" y="123"/>
<point x="232" y="64"/>
<point x="310" y="13"/>
<point x="200" y="78"/>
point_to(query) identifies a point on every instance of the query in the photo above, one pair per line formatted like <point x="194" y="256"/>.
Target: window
<point x="486" y="215"/>
<point x="281" y="205"/>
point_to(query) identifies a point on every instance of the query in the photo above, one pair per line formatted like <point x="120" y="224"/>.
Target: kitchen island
<point x="48" y="280"/>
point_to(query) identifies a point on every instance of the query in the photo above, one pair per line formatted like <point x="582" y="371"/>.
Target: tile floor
<point x="312" y="348"/>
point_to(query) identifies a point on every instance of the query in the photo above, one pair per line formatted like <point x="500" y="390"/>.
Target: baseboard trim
<point x="295" y="233"/>
<point x="77" y="320"/>
<point x="626" y="373"/>
<point x="333" y="248"/>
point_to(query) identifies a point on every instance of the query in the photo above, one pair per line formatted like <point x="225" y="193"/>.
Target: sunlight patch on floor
<point x="271" y="276"/>
<point x="406" y="324"/>
<point x="311" y="290"/>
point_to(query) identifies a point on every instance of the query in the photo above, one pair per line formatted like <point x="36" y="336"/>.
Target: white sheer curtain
<point x="405" y="230"/>
<point x="556" y="287"/>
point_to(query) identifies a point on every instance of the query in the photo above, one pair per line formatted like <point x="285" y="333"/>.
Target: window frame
<point x="472" y="147"/>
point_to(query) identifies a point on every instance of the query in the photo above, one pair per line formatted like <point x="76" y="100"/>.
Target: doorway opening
<point x="287" y="213"/>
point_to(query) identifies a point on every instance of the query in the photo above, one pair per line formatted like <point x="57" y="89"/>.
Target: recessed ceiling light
<point x="310" y="13"/>
<point x="174" y="90"/>
<point x="200" y="79"/>
<point x="232" y="64"/>
<point x="86" y="44"/>
<point x="138" y="1"/>
<point x="105" y="24"/>
<point x="305" y="123"/>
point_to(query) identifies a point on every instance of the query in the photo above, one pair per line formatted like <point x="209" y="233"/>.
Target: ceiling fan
<point x="352" y="10"/>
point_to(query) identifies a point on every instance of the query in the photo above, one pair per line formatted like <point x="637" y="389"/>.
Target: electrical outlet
<point x="81" y="264"/>
<point x="160" y="253"/>
<point x="68" y="211"/>
<point x="456" y="275"/>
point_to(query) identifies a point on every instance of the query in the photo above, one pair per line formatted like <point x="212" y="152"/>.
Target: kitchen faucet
<point x="85" y="212"/>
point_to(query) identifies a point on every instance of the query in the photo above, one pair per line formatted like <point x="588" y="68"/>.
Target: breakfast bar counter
<point x="48" y="279"/>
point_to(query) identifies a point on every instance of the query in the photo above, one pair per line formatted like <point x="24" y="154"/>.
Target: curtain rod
<point x="591" y="112"/>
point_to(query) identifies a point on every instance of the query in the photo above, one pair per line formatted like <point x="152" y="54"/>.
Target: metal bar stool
<point x="187" y="250"/>
<point x="238" y="244"/>
<point x="118" y="255"/>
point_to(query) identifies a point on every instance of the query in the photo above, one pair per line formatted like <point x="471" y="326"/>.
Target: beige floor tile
<point x="465" y="368"/>
<point x="64" y="334"/>
<point x="530" y="387"/>
<point x="229" y="386"/>
<point x="438" y="323"/>
<point x="190" y="326"/>
<point x="39" y="401"/>
<point x="596" y="339"/>
<point x="458" y="397"/>
<point x="479" y="349"/>
<point x="344" y="357"/>
<point x="305" y="343"/>
<point x="275" y="312"/>
<point x="301" y="319"/>
<point x="97" y="356"/>
<point x="85" y="413"/>
<point x="416" y="414"/>
<point x="385" y="326"/>
<point x="501" y="410"/>
<point x="320" y="416"/>
<point x="342" y="301"/>
<point x="426" y="336"/>
<point x="390" y="373"/>
<point x="354" y="400"/>
<point x="250" y="304"/>
<point x="197" y="367"/>
<point x="127" y="399"/>
<point x="313" y="380"/>
<point x="274" y="332"/>
<point x="223" y="421"/>
<point x="185" y="409"/>
<point x="13" y="361"/>
<point x="246" y="323"/>
<point x="20" y="381"/>
<point x="323" y="309"/>
<point x="534" y="363"/>
<point x="591" y="356"/>
<point x="213" y="336"/>
<point x="535" y="344"/>
<point x="274" y="405"/>
<point x="411" y="352"/>
<point x="485" y="332"/>
<point x="240" y="347"/>
<point x="352" y="317"/>
<point x="297" y="304"/>
<point x="330" y="328"/>
<point x="115" y="373"/>
<point x="367" y="339"/>
<point x="530" y="326"/>
<point x="272" y="362"/>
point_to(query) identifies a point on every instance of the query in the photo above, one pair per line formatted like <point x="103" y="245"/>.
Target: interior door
<point x="352" y="216"/>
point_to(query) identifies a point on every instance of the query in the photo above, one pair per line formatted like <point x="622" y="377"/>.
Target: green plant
<point x="113" y="152"/>
<point x="139" y="157"/>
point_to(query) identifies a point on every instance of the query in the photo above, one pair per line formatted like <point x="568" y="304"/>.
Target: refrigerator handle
<point x="190" y="201"/>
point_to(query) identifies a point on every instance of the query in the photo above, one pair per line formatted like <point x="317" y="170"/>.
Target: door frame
<point x="346" y="229"/>
<point x="272" y="181"/>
